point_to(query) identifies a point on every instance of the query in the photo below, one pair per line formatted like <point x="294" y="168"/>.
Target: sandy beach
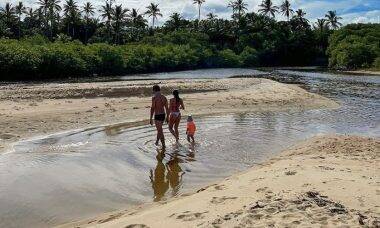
<point x="326" y="181"/>
<point x="29" y="110"/>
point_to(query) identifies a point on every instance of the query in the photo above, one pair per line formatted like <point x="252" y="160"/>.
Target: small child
<point x="191" y="128"/>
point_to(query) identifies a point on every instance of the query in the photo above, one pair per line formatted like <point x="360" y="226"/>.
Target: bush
<point x="17" y="60"/>
<point x="376" y="63"/>
<point x="110" y="59"/>
<point x="227" y="58"/>
<point x="354" y="46"/>
<point x="61" y="60"/>
<point x="37" y="58"/>
<point x="249" y="57"/>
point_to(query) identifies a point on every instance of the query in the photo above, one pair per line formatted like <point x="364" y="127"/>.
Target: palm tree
<point x="19" y="10"/>
<point x="285" y="9"/>
<point x="300" y="15"/>
<point x="70" y="9"/>
<point x="31" y="19"/>
<point x="8" y="12"/>
<point x="267" y="8"/>
<point x="106" y="13"/>
<point x="119" y="17"/>
<point x="44" y="7"/>
<point x="321" y="25"/>
<point x="174" y="23"/>
<point x="137" y="20"/>
<point x="211" y="16"/>
<point x="153" y="11"/>
<point x="52" y="9"/>
<point x="88" y="11"/>
<point x="199" y="3"/>
<point x="238" y="6"/>
<point x="333" y="20"/>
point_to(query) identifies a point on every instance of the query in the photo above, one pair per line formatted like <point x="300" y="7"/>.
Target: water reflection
<point x="168" y="174"/>
<point x="160" y="183"/>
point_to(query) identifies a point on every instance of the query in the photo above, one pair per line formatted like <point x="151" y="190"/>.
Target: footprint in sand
<point x="6" y="136"/>
<point x="187" y="216"/>
<point x="137" y="226"/>
<point x="290" y="173"/>
<point x="110" y="218"/>
<point x="218" y="200"/>
<point x="220" y="187"/>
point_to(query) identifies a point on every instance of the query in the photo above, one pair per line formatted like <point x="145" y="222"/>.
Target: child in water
<point x="191" y="128"/>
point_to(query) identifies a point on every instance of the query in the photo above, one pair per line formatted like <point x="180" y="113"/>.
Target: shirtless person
<point x="160" y="110"/>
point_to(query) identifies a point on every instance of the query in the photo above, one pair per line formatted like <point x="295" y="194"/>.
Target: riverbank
<point x="39" y="109"/>
<point x="364" y="72"/>
<point x="325" y="181"/>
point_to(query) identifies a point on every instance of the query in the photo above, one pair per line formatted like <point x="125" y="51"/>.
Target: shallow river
<point x="79" y="174"/>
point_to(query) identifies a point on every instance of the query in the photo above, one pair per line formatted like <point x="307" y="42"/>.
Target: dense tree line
<point x="355" y="46"/>
<point x="60" y="39"/>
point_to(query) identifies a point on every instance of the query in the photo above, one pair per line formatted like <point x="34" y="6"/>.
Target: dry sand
<point x="39" y="109"/>
<point x="327" y="181"/>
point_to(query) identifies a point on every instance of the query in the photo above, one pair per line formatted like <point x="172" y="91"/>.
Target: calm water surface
<point x="74" y="175"/>
<point x="196" y="74"/>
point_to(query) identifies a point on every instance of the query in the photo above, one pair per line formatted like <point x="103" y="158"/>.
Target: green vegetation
<point x="355" y="46"/>
<point x="65" y="40"/>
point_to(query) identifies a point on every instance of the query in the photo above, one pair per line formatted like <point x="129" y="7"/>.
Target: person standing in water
<point x="176" y="103"/>
<point x="160" y="111"/>
<point x="191" y="128"/>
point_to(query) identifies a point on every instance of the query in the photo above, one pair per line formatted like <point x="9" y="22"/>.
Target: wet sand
<point x="29" y="110"/>
<point x="327" y="181"/>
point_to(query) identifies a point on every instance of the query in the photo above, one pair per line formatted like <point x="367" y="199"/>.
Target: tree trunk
<point x="19" y="27"/>
<point x="199" y="13"/>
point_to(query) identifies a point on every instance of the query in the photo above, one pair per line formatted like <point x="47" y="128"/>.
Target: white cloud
<point x="314" y="8"/>
<point x="363" y="17"/>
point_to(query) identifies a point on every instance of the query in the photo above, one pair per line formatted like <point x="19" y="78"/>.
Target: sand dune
<point x="33" y="110"/>
<point x="328" y="181"/>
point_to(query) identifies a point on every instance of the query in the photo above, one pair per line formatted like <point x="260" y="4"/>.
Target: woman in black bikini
<point x="175" y="104"/>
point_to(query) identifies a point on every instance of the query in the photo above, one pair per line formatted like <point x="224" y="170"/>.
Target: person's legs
<point x="160" y="133"/>
<point x="171" y="124"/>
<point x="176" y="125"/>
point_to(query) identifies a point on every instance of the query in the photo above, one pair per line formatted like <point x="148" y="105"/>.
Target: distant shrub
<point x="249" y="57"/>
<point x="36" y="40"/>
<point x="354" y="46"/>
<point x="110" y="59"/>
<point x="61" y="60"/>
<point x="37" y="58"/>
<point x="376" y="63"/>
<point x="228" y="58"/>
<point x="17" y="60"/>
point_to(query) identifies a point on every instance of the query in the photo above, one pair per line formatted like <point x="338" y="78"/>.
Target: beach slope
<point x="325" y="181"/>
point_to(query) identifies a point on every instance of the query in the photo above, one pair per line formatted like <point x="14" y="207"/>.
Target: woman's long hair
<point x="176" y="96"/>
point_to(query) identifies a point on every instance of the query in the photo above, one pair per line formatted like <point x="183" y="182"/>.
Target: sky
<point x="351" y="11"/>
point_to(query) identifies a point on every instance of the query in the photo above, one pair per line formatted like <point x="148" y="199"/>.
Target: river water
<point x="78" y="174"/>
